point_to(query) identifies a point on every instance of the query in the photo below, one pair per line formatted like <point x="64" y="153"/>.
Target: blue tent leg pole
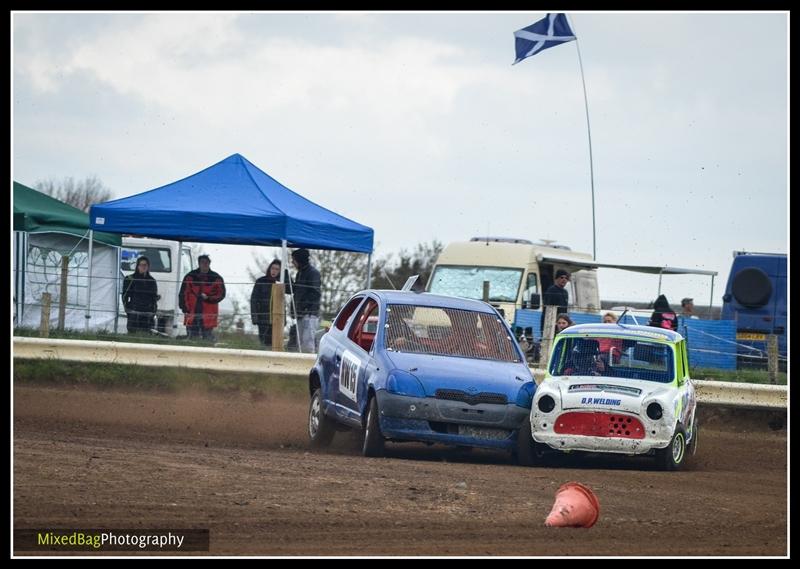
<point x="369" y="270"/>
<point x="88" y="315"/>
<point x="291" y="294"/>
<point x="117" y="293"/>
<point x="177" y="293"/>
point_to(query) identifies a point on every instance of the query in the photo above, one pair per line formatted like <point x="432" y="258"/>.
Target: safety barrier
<point x="720" y="393"/>
<point x="190" y="357"/>
<point x="730" y="394"/>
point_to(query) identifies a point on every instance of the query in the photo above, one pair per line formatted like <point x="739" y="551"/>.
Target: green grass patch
<point x="739" y="375"/>
<point x="231" y="340"/>
<point x="145" y="378"/>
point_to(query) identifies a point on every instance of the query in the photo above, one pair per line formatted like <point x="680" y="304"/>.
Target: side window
<point x="344" y="315"/>
<point x="583" y="291"/>
<point x="362" y="330"/>
<point x="685" y="358"/>
<point x="186" y="261"/>
<point x="531" y="287"/>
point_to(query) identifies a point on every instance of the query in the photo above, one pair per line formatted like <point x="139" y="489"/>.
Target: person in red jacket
<point x="610" y="346"/>
<point x="201" y="292"/>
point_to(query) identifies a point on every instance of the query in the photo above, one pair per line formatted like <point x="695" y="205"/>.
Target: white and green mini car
<point x="612" y="388"/>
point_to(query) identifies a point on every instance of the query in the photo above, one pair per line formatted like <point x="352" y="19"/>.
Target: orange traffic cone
<point x="576" y="506"/>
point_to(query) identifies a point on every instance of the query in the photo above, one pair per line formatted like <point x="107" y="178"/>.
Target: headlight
<point x="403" y="383"/>
<point x="654" y="411"/>
<point x="525" y="395"/>
<point x="546" y="404"/>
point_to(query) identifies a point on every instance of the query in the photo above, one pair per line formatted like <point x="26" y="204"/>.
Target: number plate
<point x="482" y="432"/>
<point x="751" y="336"/>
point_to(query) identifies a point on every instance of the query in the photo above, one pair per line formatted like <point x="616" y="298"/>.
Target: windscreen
<point x="467" y="282"/>
<point x="448" y="332"/>
<point x="613" y="357"/>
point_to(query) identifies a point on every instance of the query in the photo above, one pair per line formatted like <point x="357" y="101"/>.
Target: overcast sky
<point x="418" y="126"/>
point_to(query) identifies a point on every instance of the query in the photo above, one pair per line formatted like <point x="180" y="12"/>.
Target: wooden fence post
<point x="550" y="316"/>
<point x="62" y="300"/>
<point x="278" y="310"/>
<point x="772" y="357"/>
<point x="44" y="326"/>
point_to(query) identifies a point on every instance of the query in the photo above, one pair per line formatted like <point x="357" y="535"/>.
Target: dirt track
<point x="240" y="466"/>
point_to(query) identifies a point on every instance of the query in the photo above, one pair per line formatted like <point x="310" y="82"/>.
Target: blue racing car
<point x="407" y="366"/>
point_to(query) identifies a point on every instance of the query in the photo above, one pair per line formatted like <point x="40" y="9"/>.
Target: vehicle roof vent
<point x="503" y="240"/>
<point x="552" y="243"/>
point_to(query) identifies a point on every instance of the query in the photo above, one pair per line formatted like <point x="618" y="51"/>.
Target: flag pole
<point x="589" y="132"/>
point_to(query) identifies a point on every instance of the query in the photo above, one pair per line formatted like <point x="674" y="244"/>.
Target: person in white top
<point x="687" y="308"/>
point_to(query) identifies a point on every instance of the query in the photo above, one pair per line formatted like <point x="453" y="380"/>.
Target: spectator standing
<point x="663" y="315"/>
<point x="557" y="295"/>
<point x="307" y="295"/>
<point x="687" y="308"/>
<point x="201" y="292"/>
<point x="140" y="297"/>
<point x="609" y="346"/>
<point x="261" y="302"/>
<point x="563" y="322"/>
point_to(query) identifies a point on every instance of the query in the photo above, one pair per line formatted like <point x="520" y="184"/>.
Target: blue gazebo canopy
<point x="231" y="202"/>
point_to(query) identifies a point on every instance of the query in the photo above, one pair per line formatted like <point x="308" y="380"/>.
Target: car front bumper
<point x="657" y="435"/>
<point x="433" y="420"/>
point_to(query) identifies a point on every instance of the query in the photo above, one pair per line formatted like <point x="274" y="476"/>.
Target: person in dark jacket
<point x="557" y="295"/>
<point x="201" y="292"/>
<point x="140" y="297"/>
<point x="663" y="315"/>
<point x="261" y="302"/>
<point x="307" y="293"/>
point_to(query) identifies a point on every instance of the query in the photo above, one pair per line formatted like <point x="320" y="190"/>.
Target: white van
<point x="518" y="272"/>
<point x="163" y="257"/>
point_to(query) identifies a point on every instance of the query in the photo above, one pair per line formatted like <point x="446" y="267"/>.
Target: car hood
<point x="465" y="374"/>
<point x="592" y="392"/>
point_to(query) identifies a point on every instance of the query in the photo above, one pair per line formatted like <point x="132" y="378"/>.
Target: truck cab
<point x="756" y="298"/>
<point x="164" y="257"/>
<point x="518" y="272"/>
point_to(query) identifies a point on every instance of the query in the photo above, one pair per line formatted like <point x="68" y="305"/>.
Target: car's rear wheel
<point x="320" y="428"/>
<point x="692" y="448"/>
<point x="672" y="457"/>
<point x="374" y="443"/>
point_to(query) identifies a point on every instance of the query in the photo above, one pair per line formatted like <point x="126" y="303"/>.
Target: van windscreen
<point x="467" y="282"/>
<point x="160" y="259"/>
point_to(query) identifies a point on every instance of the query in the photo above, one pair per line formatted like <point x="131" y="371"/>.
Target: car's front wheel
<point x="672" y="457"/>
<point x="320" y="428"/>
<point x="528" y="451"/>
<point x="374" y="444"/>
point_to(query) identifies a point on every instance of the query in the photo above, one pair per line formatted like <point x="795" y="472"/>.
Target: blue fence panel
<point x="634" y="320"/>
<point x="526" y="318"/>
<point x="583" y="318"/>
<point x="711" y="343"/>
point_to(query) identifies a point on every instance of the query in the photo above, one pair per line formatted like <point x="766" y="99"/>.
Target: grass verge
<point x="145" y="378"/>
<point x="739" y="375"/>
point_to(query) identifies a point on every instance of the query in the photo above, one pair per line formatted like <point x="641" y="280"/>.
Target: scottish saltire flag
<point x="551" y="31"/>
